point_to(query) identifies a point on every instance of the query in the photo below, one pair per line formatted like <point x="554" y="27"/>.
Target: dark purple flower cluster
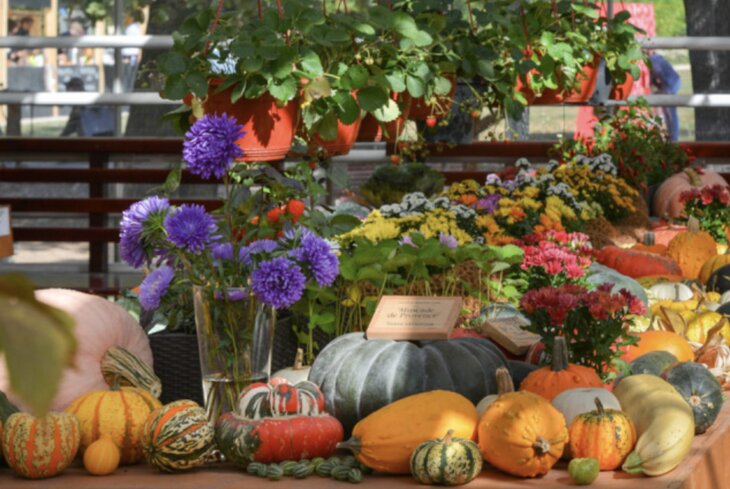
<point x="316" y="253"/>
<point x="210" y="145"/>
<point x="245" y="255"/>
<point x="190" y="228"/>
<point x="278" y="282"/>
<point x="132" y="226"/>
<point x="154" y="286"/>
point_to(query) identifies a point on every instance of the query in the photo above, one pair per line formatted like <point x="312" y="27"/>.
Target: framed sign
<point x="400" y="317"/>
<point x="6" y="232"/>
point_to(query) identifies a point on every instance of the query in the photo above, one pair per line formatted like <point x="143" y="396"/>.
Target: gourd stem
<point x="599" y="407"/>
<point x="447" y="438"/>
<point x="353" y="444"/>
<point x="504" y="381"/>
<point x="541" y="446"/>
<point x="299" y="359"/>
<point x="693" y="224"/>
<point x="560" y="354"/>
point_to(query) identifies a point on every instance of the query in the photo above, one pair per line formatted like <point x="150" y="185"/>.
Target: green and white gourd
<point x="121" y="367"/>
<point x="446" y="461"/>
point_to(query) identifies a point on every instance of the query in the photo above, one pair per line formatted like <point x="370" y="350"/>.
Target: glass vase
<point x="235" y="339"/>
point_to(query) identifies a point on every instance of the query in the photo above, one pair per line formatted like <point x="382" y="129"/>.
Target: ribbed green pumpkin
<point x="37" y="448"/>
<point x="653" y="363"/>
<point x="359" y="376"/>
<point x="700" y="389"/>
<point x="446" y="461"/>
<point x="177" y="437"/>
<point x="122" y="366"/>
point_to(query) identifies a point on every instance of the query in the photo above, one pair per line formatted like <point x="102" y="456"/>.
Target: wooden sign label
<point x="509" y="333"/>
<point x="400" y="317"/>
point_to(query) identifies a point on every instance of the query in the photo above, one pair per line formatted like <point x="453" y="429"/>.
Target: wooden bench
<point x="99" y="169"/>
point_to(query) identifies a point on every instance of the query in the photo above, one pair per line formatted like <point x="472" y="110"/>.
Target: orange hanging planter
<point x="420" y="110"/>
<point x="269" y="128"/>
<point x="623" y="90"/>
<point x="587" y="85"/>
<point x="347" y="134"/>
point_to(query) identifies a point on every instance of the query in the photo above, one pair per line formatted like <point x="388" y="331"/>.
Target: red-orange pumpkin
<point x="660" y="341"/>
<point x="607" y="435"/>
<point x="636" y="264"/>
<point x="561" y="375"/>
<point x="666" y="199"/>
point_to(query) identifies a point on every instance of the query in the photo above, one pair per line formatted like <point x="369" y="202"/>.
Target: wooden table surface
<point x="706" y="467"/>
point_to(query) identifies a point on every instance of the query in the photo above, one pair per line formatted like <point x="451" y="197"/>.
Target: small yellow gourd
<point x="102" y="456"/>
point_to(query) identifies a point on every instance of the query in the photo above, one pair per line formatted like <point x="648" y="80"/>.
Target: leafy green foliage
<point x="389" y="183"/>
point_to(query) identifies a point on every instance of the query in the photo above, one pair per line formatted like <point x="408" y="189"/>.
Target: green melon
<point x="700" y="389"/>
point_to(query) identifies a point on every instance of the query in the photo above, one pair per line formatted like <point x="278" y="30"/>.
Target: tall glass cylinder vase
<point x="235" y="339"/>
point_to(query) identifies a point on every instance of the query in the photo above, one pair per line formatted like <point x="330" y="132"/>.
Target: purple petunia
<point x="222" y="251"/>
<point x="407" y="241"/>
<point x="488" y="204"/>
<point x="318" y="255"/>
<point x="278" y="282"/>
<point x="448" y="240"/>
<point x="189" y="227"/>
<point x="210" y="145"/>
<point x="154" y="286"/>
<point x="260" y="246"/>
<point x="131" y="228"/>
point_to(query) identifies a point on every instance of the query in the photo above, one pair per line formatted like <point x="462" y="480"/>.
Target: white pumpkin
<point x="504" y="385"/>
<point x="725" y="297"/>
<point x="583" y="400"/>
<point x="100" y="324"/>
<point x="296" y="373"/>
<point x="673" y="291"/>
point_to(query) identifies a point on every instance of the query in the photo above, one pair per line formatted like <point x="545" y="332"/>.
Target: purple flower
<point x="493" y="179"/>
<point x="190" y="227"/>
<point x="222" y="251"/>
<point x="131" y="228"/>
<point x="210" y="145"/>
<point x="233" y="294"/>
<point x="278" y="282"/>
<point x="489" y="204"/>
<point x="318" y="255"/>
<point x="154" y="286"/>
<point x="260" y="246"/>
<point x="407" y="240"/>
<point x="448" y="240"/>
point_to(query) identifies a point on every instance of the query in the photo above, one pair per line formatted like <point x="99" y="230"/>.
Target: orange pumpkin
<point x="660" y="341"/>
<point x="663" y="232"/>
<point x="560" y="376"/>
<point x="666" y="199"/>
<point x="649" y="245"/>
<point x="607" y="435"/>
<point x="522" y="434"/>
<point x="692" y="249"/>
<point x="636" y="264"/>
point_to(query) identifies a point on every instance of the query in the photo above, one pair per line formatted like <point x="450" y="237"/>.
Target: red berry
<point x="395" y="159"/>
<point x="274" y="215"/>
<point x="312" y="165"/>
<point x="475" y="114"/>
<point x="295" y="208"/>
<point x="431" y="121"/>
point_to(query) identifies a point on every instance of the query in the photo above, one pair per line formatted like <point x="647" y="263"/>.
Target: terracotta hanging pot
<point x="623" y="90"/>
<point x="420" y="109"/>
<point x="269" y="128"/>
<point x="347" y="134"/>
<point x="372" y="131"/>
<point x="587" y="85"/>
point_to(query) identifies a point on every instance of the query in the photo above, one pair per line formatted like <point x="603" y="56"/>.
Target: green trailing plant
<point x="389" y="183"/>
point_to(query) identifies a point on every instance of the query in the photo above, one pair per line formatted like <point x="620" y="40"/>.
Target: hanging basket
<point x="269" y="128"/>
<point x="347" y="134"/>
<point x="623" y="90"/>
<point x="372" y="131"/>
<point x="420" y="110"/>
<point x="587" y="85"/>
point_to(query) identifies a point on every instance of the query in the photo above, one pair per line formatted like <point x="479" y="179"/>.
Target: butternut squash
<point x="385" y="440"/>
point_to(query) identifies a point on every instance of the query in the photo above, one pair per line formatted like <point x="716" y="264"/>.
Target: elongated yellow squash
<point x="385" y="439"/>
<point x="664" y="424"/>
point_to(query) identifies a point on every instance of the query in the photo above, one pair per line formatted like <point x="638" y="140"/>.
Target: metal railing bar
<point x="692" y="43"/>
<point x="83" y="98"/>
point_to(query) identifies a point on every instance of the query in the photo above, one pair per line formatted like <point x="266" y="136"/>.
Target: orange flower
<point x="468" y="199"/>
<point x="517" y="213"/>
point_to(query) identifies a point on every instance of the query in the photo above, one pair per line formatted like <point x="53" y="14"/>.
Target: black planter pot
<point x="177" y="364"/>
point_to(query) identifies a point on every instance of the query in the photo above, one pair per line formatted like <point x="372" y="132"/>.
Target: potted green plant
<point x="623" y="55"/>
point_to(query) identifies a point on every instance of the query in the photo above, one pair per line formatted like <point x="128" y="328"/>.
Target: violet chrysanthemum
<point x="222" y="251"/>
<point x="210" y="145"/>
<point x="131" y="228"/>
<point x="255" y="248"/>
<point x="190" y="228"/>
<point x="448" y="240"/>
<point x="278" y="282"/>
<point x="154" y="286"/>
<point x="317" y="254"/>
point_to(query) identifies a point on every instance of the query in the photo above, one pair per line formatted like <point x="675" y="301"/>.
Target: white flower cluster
<point x="413" y="203"/>
<point x="602" y="162"/>
<point x="562" y="190"/>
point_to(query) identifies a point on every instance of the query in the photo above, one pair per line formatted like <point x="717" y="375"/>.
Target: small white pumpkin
<point x="583" y="400"/>
<point x="504" y="385"/>
<point x="725" y="297"/>
<point x="296" y="373"/>
<point x="673" y="291"/>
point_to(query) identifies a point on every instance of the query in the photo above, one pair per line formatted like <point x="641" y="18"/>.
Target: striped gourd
<point x="118" y="413"/>
<point x="123" y="366"/>
<point x="446" y="461"/>
<point x="37" y="448"/>
<point x="177" y="436"/>
<point x="280" y="398"/>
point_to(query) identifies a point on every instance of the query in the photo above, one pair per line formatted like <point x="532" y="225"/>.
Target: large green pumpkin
<point x="359" y="376"/>
<point x="599" y="274"/>
<point x="700" y="389"/>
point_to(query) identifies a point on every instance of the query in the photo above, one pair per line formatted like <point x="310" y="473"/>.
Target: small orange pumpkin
<point x="102" y="456"/>
<point x="660" y="341"/>
<point x="692" y="249"/>
<point x="561" y="375"/>
<point x="522" y="434"/>
<point x="607" y="435"/>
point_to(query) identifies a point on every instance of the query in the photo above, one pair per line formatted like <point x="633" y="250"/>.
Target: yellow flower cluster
<point x="430" y="224"/>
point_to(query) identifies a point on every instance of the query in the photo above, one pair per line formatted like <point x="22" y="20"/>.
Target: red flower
<point x="706" y="195"/>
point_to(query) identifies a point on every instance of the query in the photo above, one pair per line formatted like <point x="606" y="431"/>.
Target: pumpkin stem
<point x="504" y="381"/>
<point x="353" y="444"/>
<point x="447" y="438"/>
<point x="560" y="354"/>
<point x="541" y="446"/>
<point x="693" y="224"/>
<point x="649" y="238"/>
<point x="599" y="407"/>
<point x="299" y="359"/>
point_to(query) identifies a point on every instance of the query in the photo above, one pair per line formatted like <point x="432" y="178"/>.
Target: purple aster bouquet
<point x="235" y="274"/>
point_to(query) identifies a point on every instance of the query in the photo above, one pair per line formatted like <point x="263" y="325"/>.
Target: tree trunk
<point x="710" y="69"/>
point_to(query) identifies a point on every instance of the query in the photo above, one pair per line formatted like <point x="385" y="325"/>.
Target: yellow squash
<point x="385" y="439"/>
<point x="664" y="424"/>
